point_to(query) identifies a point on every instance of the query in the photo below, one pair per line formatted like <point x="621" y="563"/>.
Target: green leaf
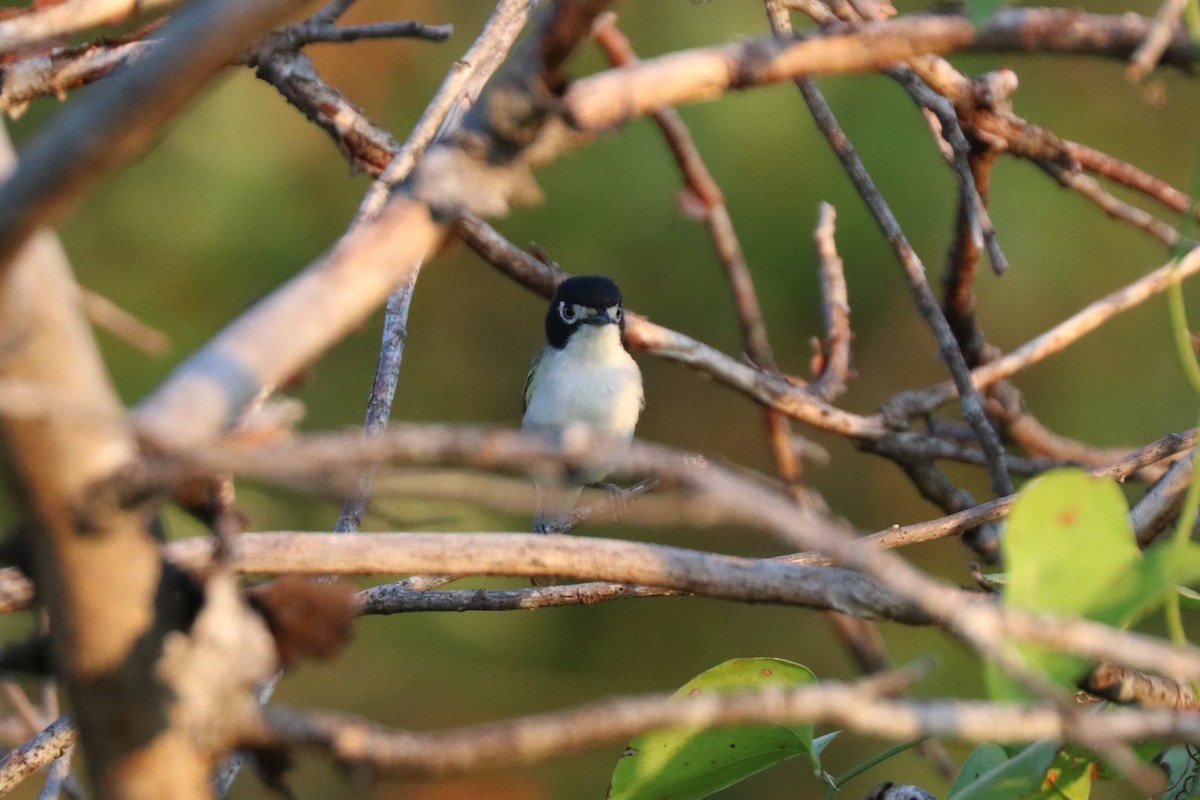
<point x="1067" y="545"/>
<point x="998" y="777"/>
<point x="1069" y="778"/>
<point x="818" y="746"/>
<point x="985" y="757"/>
<point x="1165" y="566"/>
<point x="691" y="763"/>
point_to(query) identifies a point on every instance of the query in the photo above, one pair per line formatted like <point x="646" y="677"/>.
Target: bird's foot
<point x="618" y="500"/>
<point x="560" y="524"/>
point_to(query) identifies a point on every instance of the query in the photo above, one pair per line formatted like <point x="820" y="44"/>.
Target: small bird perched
<point x="583" y="376"/>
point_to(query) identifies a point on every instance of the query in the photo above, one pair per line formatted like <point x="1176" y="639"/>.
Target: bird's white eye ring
<point x="567" y="312"/>
<point x="620" y="313"/>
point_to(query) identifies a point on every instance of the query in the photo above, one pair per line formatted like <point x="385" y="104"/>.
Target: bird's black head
<point x="582" y="300"/>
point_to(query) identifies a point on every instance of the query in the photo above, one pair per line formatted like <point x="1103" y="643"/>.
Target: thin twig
<point x="707" y="201"/>
<point x="365" y="145"/>
<point x="975" y="221"/>
<point x="383" y="391"/>
<point x="900" y="536"/>
<point x="1117" y="209"/>
<point x="461" y="85"/>
<point x="1152" y="514"/>
<point x="783" y="393"/>
<point x="106" y="314"/>
<point x="1146" y="57"/>
<point x="927" y="306"/>
<point x="1057" y="338"/>
<point x="835" y="305"/>
<point x="332" y="11"/>
<point x="314" y="30"/>
<point x="1129" y="175"/>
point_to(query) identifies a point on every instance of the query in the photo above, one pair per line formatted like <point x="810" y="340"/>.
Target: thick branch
<point x="585" y="558"/>
<point x="616" y="95"/>
<point x="105" y="643"/>
<point x="209" y="390"/>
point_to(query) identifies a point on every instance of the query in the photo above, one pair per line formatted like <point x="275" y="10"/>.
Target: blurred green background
<point x="241" y="192"/>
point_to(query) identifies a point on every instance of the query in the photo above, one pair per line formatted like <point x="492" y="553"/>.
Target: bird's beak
<point x="601" y="317"/>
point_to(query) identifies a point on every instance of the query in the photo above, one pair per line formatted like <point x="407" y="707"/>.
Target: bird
<point x="583" y="376"/>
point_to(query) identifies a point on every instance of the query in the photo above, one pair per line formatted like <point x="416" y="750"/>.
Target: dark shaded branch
<point x="365" y="145"/>
<point x="394" y="599"/>
<point x="314" y="30"/>
<point x="383" y="391"/>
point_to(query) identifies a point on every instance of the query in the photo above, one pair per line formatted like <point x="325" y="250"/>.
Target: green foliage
<point x="1040" y="771"/>
<point x="1067" y="543"/>
<point x="1070" y="550"/>
<point x="688" y="764"/>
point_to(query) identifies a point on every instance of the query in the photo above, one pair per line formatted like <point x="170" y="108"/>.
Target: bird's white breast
<point x="591" y="381"/>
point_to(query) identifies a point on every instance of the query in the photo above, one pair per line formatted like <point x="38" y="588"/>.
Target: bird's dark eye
<point x="567" y="312"/>
<point x="620" y="314"/>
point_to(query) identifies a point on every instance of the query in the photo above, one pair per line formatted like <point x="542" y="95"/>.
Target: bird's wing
<point x="529" y="381"/>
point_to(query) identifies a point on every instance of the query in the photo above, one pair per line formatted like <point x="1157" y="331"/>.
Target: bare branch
<point x="585" y="558"/>
<point x="835" y="304"/>
<point x="39" y="751"/>
<point x="393" y="598"/>
<point x="365" y="145"/>
<point x="900" y="536"/>
<point x="914" y="270"/>
<point x="1070" y="30"/>
<point x="1153" y="513"/>
<point x="461" y="86"/>
<point x="1129" y="175"/>
<point x="314" y="30"/>
<point x="118" y="120"/>
<point x="611" y="97"/>
<point x="777" y="391"/>
<point x="1129" y="687"/>
<point x="1146" y="57"/>
<point x="1091" y="189"/>
<point x="60" y="70"/>
<point x="383" y="391"/>
<point x="1058" y="337"/>
<point x="859" y="707"/>
<point x="104" y="313"/>
<point x="209" y="390"/>
<point x="72" y="16"/>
